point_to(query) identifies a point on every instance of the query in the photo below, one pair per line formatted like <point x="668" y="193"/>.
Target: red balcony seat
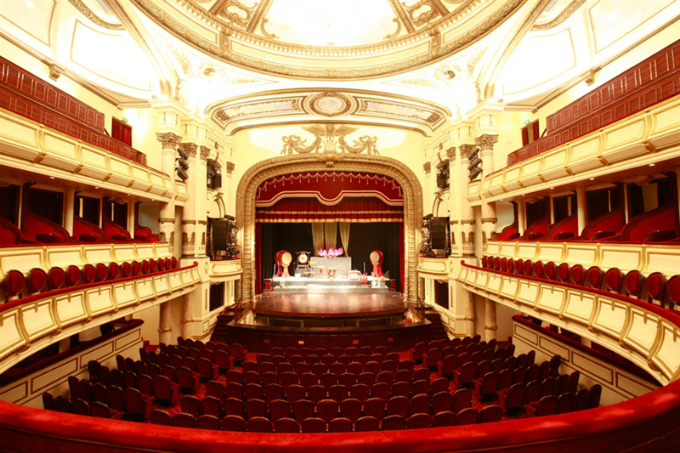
<point x="613" y="279"/>
<point x="577" y="274"/>
<point x="36" y="280"/>
<point x="674" y="289"/>
<point x="595" y="277"/>
<point x="89" y="273"/>
<point x="233" y="423"/>
<point x="634" y="283"/>
<point x="14" y="283"/>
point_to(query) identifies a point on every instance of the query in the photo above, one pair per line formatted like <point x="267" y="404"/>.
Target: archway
<point x="283" y="165"/>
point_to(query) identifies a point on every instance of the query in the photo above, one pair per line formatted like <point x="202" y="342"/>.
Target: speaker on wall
<point x="220" y="234"/>
<point x="438" y="233"/>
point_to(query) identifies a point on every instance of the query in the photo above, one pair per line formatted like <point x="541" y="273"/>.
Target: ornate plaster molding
<point x="205" y="152"/>
<point x="427" y="166"/>
<point x="466" y="150"/>
<point x="230" y="167"/>
<point x="189" y="149"/>
<point x="283" y="165"/>
<point x="486" y="141"/>
<point x="563" y="16"/>
<point x="168" y="139"/>
<point x="87" y="12"/>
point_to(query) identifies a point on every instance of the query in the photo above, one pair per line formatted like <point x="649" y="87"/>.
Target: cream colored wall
<point x="151" y="318"/>
<point x="144" y="124"/>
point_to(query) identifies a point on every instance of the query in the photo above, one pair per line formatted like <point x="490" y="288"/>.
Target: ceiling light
<point x="651" y="165"/>
<point x="552" y="188"/>
<point x="96" y="187"/>
<point x="592" y="179"/>
<point x="153" y="199"/>
<point x="30" y="4"/>
<point x="51" y="177"/>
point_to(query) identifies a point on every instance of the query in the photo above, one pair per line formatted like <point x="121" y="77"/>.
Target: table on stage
<point x="342" y="261"/>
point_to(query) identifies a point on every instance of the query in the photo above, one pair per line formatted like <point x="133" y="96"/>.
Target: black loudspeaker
<point x="438" y="233"/>
<point x="220" y="234"/>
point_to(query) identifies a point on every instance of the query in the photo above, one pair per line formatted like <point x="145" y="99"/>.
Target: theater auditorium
<point x="342" y="226"/>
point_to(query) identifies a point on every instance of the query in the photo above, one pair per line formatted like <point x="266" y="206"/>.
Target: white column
<point x="581" y="208"/>
<point x="490" y="326"/>
<point x="69" y="208"/>
<point x="467" y="216"/>
<point x="166" y="220"/>
<point x="485" y="143"/>
<point x="521" y="216"/>
<point x="470" y="314"/>
<point x="164" y="329"/>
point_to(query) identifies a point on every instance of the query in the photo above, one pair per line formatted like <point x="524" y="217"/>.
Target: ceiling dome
<point x="329" y="39"/>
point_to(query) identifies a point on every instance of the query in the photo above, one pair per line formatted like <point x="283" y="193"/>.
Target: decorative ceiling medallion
<point x="430" y="31"/>
<point x="330" y="104"/>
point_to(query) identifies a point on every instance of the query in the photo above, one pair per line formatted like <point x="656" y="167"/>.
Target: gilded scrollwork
<point x="330" y="139"/>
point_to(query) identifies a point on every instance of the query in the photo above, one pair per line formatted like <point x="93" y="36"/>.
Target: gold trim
<point x="87" y="12"/>
<point x="282" y="165"/>
<point x="563" y="16"/>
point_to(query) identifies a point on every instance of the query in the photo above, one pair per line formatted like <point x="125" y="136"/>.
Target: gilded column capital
<point x="486" y="141"/>
<point x="230" y="167"/>
<point x="189" y="149"/>
<point x="451" y="152"/>
<point x="205" y="152"/>
<point x="427" y="166"/>
<point x="466" y="150"/>
<point x="168" y="139"/>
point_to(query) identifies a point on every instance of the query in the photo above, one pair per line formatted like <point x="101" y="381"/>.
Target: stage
<point x="339" y="302"/>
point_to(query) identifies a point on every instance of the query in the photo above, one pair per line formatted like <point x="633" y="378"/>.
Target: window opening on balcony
<point x="46" y="203"/>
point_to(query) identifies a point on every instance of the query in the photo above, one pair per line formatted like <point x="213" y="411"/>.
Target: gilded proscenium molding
<point x="331" y="137"/>
<point x="284" y="165"/>
<point x="230" y="35"/>
<point x="635" y="329"/>
<point x="87" y="12"/>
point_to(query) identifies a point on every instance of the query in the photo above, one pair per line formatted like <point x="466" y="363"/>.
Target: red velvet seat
<point x="441" y="402"/>
<point x="102" y="272"/>
<point x="490" y="414"/>
<point x="210" y="422"/>
<point x="581" y="400"/>
<point x="373" y="366"/>
<point x="538" y="269"/>
<point x="233" y="423"/>
<point x="347" y="379"/>
<point x="511" y="266"/>
<point x="340" y="425"/>
<point x="512" y="399"/>
<point x="465" y="376"/>
<point x="313" y="425"/>
<point x="174" y="263"/>
<point x="444" y="419"/>
<point x="207" y="370"/>
<point x="550" y="270"/>
<point x="381" y="390"/>
<point x="160" y="417"/>
<point x="136" y="405"/>
<point x="634" y="283"/>
<point x="401" y="388"/>
<point x="56" y="278"/>
<point x="338" y="393"/>
<point x="562" y="385"/>
<point x="303" y="409"/>
<point x="279" y="409"/>
<point x="418" y="351"/>
<point x="237" y="352"/>
<point x="328" y="380"/>
<point x="234" y="406"/>
<point x="367" y="423"/>
<point x="462" y="398"/>
<point x="421" y="374"/>
<point x="160" y="264"/>
<point x="674" y="289"/>
<point x="487" y="386"/>
<point x="547" y="405"/>
<point x="468" y="416"/>
<point x="419" y="404"/>
<point x="563" y="272"/>
<point x="256" y="408"/>
<point x="234" y="375"/>
<point x="80" y="407"/>
<point x="360" y="392"/>
<point x="594" y="396"/>
<point x="519" y="266"/>
<point x="316" y="393"/>
<point x="656" y="287"/>
<point x="447" y="366"/>
<point x="254" y="392"/>
<point x="503" y="267"/>
<point x="36" y="280"/>
<point x="394" y="422"/>
<point x="259" y="425"/>
<point x="212" y="406"/>
<point x="190" y="405"/>
<point x="594" y="277"/>
<point x="375" y="407"/>
<point x="614" y="280"/>
<point x="565" y="403"/>
<point x="577" y="274"/>
<point x="533" y="392"/>
<point x="101" y="410"/>
<point x="327" y="409"/>
<point x="286" y="425"/>
<point x="528" y="267"/>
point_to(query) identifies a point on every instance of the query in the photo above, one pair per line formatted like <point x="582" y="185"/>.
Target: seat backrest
<point x="394" y="422"/>
<point x="313" y="425"/>
<point x="233" y="423"/>
<point x="490" y="414"/>
<point x="286" y="425"/>
<point x="468" y="416"/>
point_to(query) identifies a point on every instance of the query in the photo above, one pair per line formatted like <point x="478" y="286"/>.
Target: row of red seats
<point x="17" y="285"/>
<point x="235" y="423"/>
<point x="655" y="286"/>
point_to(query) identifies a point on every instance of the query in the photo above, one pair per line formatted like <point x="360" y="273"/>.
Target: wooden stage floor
<point x="335" y="303"/>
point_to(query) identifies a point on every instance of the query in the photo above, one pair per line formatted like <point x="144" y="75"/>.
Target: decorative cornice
<point x="189" y="149"/>
<point x="427" y="166"/>
<point x="168" y="139"/>
<point x="230" y="167"/>
<point x="564" y="15"/>
<point x="87" y="12"/>
<point x="205" y="152"/>
<point x="466" y="150"/>
<point x="486" y="141"/>
<point x="451" y="152"/>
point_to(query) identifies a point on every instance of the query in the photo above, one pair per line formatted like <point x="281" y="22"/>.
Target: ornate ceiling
<point x="319" y="39"/>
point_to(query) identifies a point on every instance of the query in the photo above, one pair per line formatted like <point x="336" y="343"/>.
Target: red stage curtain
<point x="350" y="209"/>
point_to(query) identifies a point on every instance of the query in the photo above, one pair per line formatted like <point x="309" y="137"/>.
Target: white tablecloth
<point x="342" y="261"/>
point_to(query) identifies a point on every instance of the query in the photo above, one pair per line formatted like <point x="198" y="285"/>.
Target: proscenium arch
<point x="297" y="163"/>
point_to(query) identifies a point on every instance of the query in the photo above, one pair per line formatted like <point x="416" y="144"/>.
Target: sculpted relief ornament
<point x="329" y="139"/>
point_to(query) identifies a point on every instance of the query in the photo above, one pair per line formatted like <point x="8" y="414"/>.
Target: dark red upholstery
<point x="161" y="264"/>
<point x="36" y="280"/>
<point x="234" y="423"/>
<point x="102" y="272"/>
<point x="613" y="279"/>
<point x="126" y="270"/>
<point x="519" y="266"/>
<point x="577" y="274"/>
<point x="14" y="283"/>
<point x="511" y="265"/>
<point x="563" y="272"/>
<point x="595" y="277"/>
<point x="538" y="269"/>
<point x="656" y="286"/>
<point x="174" y="262"/>
<point x="527" y="267"/>
<point x="114" y="270"/>
<point x="550" y="270"/>
<point x="73" y="275"/>
<point x="634" y="282"/>
<point x="674" y="289"/>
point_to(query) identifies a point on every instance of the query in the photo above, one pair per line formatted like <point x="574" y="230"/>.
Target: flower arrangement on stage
<point x="330" y="253"/>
